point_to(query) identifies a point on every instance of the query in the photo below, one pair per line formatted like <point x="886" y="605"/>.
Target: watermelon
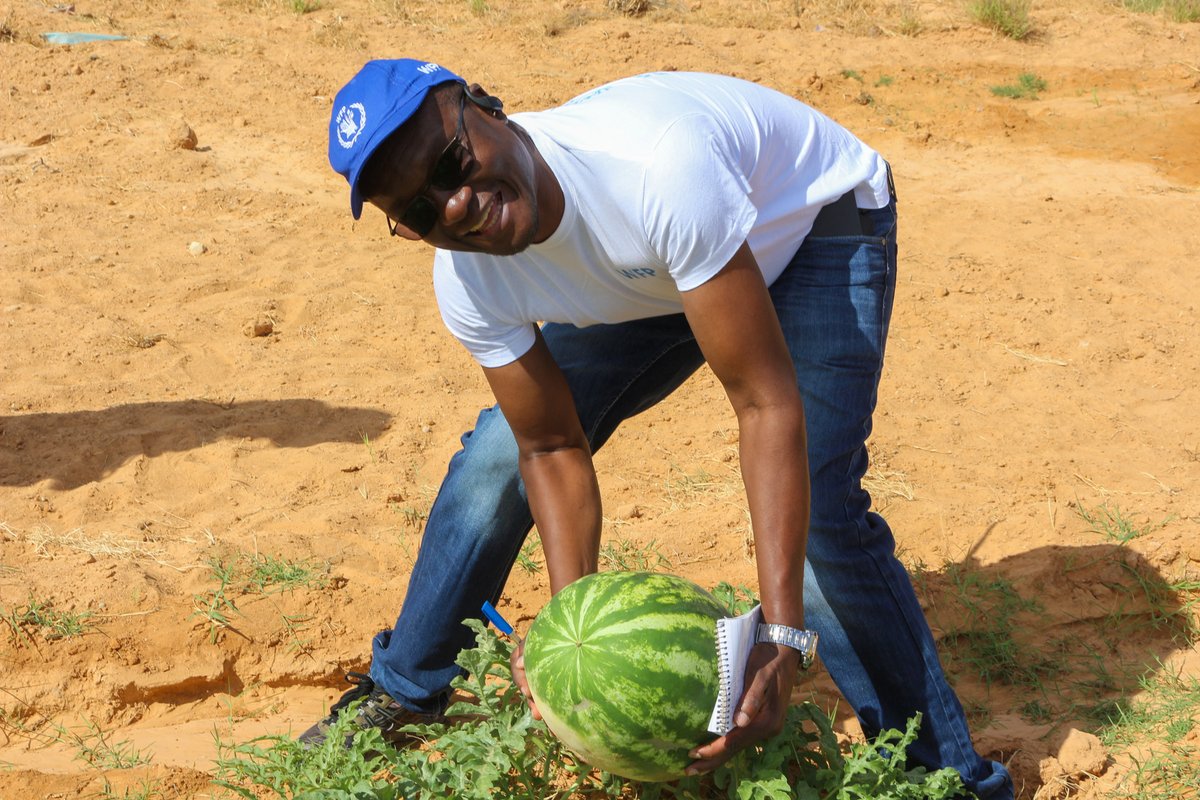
<point x="623" y="667"/>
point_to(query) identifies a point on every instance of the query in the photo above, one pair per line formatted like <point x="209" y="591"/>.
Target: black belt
<point x="842" y="217"/>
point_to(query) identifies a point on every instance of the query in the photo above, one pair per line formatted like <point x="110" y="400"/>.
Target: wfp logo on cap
<point x="350" y="122"/>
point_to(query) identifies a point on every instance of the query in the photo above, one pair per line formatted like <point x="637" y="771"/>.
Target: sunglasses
<point x="450" y="171"/>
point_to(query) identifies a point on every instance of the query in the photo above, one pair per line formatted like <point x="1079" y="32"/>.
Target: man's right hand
<point x="517" y="660"/>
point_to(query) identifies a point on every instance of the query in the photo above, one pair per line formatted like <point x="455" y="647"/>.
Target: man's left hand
<point x="770" y="674"/>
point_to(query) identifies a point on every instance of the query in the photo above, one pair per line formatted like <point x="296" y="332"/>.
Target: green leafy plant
<point x="498" y="750"/>
<point x="43" y="618"/>
<point x="1028" y="86"/>
<point x="1007" y="17"/>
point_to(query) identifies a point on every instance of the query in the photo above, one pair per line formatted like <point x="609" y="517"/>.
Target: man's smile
<point x="489" y="216"/>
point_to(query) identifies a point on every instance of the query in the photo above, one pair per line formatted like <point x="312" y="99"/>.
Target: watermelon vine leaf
<point x="496" y="750"/>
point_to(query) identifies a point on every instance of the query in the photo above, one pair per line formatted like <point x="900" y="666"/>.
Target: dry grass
<point x="45" y="541"/>
<point x="630" y="8"/>
<point x="885" y="485"/>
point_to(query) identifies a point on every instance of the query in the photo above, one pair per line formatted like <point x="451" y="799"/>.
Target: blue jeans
<point x="834" y="303"/>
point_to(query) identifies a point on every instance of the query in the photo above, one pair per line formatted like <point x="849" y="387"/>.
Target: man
<point x="653" y="224"/>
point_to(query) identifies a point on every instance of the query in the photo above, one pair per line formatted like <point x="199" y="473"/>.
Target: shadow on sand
<point x="75" y="448"/>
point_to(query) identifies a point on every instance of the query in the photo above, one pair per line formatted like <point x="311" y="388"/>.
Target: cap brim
<point x="392" y="123"/>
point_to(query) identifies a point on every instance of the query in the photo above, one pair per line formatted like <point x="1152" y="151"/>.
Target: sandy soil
<point x="205" y="361"/>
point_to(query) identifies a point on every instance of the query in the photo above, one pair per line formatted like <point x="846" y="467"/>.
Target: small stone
<point x="629" y="511"/>
<point x="197" y="248"/>
<point x="262" y="326"/>
<point x="183" y="137"/>
<point x="1081" y="753"/>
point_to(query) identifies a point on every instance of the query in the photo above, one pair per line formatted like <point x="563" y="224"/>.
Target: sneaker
<point x="378" y="710"/>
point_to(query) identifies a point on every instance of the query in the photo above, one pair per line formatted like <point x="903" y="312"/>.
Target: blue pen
<point x="500" y="622"/>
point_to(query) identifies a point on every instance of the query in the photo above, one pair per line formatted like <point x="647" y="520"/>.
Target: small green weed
<point x="268" y="574"/>
<point x="1111" y="523"/>
<point x="738" y="599"/>
<point x="910" y="22"/>
<point x="366" y="440"/>
<point x="41" y="617"/>
<point x="1007" y="17"/>
<point x="305" y="6"/>
<point x="145" y="790"/>
<point x="1028" y="86"/>
<point x="1166" y="713"/>
<point x="692" y="485"/>
<point x="500" y="751"/>
<point x="527" y="557"/>
<point x="1163" y="602"/>
<point x="627" y="555"/>
<point x="413" y="516"/>
<point x="293" y="626"/>
<point x="1184" y="10"/>
<point x="852" y="75"/>
<point x="984" y="638"/>
<point x="96" y="748"/>
<point x="215" y="605"/>
<point x="1176" y="10"/>
<point x="250" y="574"/>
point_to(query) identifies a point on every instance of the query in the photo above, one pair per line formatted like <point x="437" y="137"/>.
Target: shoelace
<point x="363" y="686"/>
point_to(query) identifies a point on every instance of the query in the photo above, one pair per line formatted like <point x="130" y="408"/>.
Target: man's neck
<point x="550" y="199"/>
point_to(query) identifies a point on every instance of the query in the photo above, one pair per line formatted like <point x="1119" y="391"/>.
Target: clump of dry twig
<point x="630" y="8"/>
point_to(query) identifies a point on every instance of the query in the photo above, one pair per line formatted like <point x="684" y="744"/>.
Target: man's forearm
<point x="775" y="471"/>
<point x="565" y="500"/>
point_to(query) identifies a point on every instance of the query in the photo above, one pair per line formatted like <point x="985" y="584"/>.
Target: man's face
<point x="475" y="184"/>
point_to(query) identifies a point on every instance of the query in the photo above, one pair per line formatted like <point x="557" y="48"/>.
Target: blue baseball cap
<point x="368" y="109"/>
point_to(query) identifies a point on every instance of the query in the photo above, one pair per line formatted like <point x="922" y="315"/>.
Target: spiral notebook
<point x="735" y="638"/>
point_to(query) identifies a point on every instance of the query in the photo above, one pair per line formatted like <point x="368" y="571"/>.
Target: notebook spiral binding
<point x="735" y="638"/>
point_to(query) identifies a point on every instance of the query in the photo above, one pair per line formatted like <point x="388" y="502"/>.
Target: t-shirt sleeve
<point x="491" y="341"/>
<point x="696" y="201"/>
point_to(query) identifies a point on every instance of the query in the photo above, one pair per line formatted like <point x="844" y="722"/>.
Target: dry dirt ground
<point x="207" y="367"/>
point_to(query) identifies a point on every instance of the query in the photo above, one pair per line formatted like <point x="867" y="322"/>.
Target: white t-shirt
<point x="664" y="176"/>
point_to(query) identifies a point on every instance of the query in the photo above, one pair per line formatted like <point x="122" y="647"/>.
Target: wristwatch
<point x="803" y="641"/>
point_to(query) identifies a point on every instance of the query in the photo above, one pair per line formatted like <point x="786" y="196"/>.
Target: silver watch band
<point x="800" y="640"/>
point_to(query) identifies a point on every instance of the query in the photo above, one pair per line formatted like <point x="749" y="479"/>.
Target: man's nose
<point x="453" y="205"/>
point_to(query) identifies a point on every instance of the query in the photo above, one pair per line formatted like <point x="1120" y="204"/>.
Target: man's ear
<point x="490" y="104"/>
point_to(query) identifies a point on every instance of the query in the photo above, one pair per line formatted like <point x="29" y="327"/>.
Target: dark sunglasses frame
<point x="421" y="214"/>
